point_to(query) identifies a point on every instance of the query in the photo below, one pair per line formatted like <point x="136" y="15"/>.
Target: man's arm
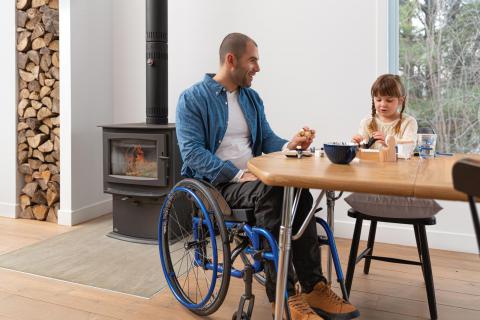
<point x="192" y="140"/>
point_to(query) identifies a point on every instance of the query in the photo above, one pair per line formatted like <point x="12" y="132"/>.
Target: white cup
<point x="405" y="149"/>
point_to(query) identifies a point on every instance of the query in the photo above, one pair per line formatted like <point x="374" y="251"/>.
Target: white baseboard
<point x="403" y="235"/>
<point x="9" y="210"/>
<point x="73" y="217"/>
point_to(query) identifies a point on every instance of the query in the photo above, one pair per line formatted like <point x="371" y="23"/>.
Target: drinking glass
<point x="426" y="145"/>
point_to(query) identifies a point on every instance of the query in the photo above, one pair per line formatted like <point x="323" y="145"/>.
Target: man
<point x="221" y="124"/>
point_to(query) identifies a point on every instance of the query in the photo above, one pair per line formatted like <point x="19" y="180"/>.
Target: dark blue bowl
<point x="340" y="152"/>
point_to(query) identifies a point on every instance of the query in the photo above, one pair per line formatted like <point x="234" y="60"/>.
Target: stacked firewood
<point x="38" y="129"/>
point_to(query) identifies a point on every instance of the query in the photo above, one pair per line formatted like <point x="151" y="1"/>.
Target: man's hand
<point x="304" y="139"/>
<point x="248" y="176"/>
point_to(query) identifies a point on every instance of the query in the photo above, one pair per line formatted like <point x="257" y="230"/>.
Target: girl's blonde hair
<point x="388" y="85"/>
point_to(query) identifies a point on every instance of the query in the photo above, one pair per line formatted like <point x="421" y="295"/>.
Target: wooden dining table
<point x="416" y="177"/>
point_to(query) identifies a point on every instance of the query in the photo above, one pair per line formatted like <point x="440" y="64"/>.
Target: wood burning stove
<point x="141" y="163"/>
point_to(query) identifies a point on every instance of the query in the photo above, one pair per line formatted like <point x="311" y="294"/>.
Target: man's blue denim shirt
<point x="202" y="115"/>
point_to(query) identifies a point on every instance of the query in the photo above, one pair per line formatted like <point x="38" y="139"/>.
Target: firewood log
<point x="49" y="82"/>
<point x="38" y="43"/>
<point x="23" y="42"/>
<point x="45" y="62"/>
<point x="32" y="123"/>
<point x="45" y="175"/>
<point x="39" y="197"/>
<point x="56" y="154"/>
<point x="40" y="211"/>
<point x="26" y="214"/>
<point x="24" y="93"/>
<point x="21" y="18"/>
<point x="27" y="178"/>
<point x="30" y="188"/>
<point x="31" y="23"/>
<point x="49" y="158"/>
<point x="34" y="56"/>
<point x="47" y="101"/>
<point x="29" y="66"/>
<point x="38" y="3"/>
<point x="46" y="147"/>
<point x="22" y="84"/>
<point x="43" y="185"/>
<point x="48" y="37"/>
<point x="43" y="128"/>
<point x="29" y="133"/>
<point x="38" y="31"/>
<point x="56" y="143"/>
<point x="22" y="146"/>
<point x="54" y="72"/>
<point x="23" y="4"/>
<point x="36" y="140"/>
<point x="43" y="167"/>
<point x="25" y="169"/>
<point x="54" y="45"/>
<point x="35" y="164"/>
<point x="33" y="96"/>
<point x="26" y="76"/>
<point x="21" y="106"/>
<point x="33" y="86"/>
<point x="52" y="216"/>
<point x="56" y="178"/>
<point x="43" y="113"/>
<point x="41" y="79"/>
<point x="55" y="60"/>
<point x="24" y="201"/>
<point x="45" y="91"/>
<point x="21" y="60"/>
<point x="37" y="105"/>
<point x="30" y="153"/>
<point x="30" y="112"/>
<point x="53" y="4"/>
<point x="32" y="13"/>
<point x="22" y="157"/>
<point x="52" y="197"/>
<point x="21" y="137"/>
<point x="56" y="121"/>
<point x="38" y="154"/>
<point x="53" y="168"/>
<point x="56" y="131"/>
<point x="48" y="122"/>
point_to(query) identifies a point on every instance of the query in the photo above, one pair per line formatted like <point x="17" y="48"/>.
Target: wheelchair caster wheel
<point x="243" y="317"/>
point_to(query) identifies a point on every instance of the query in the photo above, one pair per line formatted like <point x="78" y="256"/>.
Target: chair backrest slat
<point x="466" y="176"/>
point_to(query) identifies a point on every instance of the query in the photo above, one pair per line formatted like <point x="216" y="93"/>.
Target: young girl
<point x="387" y="118"/>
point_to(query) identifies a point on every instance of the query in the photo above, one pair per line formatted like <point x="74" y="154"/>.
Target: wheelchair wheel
<point x="194" y="248"/>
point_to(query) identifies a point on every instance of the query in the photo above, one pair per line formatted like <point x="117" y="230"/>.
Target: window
<point x="438" y="57"/>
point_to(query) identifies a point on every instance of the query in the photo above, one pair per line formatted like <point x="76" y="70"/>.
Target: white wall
<point x="86" y="102"/>
<point x="8" y="107"/>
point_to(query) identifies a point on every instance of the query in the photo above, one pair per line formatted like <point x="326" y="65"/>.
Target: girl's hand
<point x="357" y="139"/>
<point x="303" y="138"/>
<point x="380" y="137"/>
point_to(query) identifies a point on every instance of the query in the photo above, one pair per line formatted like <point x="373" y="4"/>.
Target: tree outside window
<point x="439" y="62"/>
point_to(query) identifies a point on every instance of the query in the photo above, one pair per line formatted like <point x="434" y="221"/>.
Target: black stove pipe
<point x="157" y="61"/>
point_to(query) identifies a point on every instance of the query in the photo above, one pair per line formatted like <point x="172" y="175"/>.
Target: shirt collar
<point x="214" y="86"/>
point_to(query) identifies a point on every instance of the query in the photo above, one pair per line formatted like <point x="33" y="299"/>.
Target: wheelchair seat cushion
<point x="393" y="206"/>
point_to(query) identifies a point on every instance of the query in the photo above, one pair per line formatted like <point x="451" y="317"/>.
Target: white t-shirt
<point x="236" y="145"/>
<point x="408" y="129"/>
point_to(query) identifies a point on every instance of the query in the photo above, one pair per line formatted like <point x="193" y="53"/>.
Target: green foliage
<point x="440" y="66"/>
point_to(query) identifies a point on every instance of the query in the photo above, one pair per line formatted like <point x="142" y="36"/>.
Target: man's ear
<point x="230" y="59"/>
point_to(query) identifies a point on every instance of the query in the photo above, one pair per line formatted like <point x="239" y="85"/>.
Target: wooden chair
<point x="466" y="178"/>
<point x="422" y="248"/>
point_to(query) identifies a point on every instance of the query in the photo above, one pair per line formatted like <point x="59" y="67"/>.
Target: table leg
<point x="331" y="222"/>
<point x="284" y="245"/>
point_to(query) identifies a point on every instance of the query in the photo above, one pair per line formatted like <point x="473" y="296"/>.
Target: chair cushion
<point x="393" y="206"/>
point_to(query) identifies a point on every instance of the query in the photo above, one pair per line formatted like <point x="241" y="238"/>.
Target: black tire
<point x="188" y="256"/>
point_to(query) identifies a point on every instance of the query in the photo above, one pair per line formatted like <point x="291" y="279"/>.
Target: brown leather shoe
<point x="299" y="309"/>
<point x="327" y="304"/>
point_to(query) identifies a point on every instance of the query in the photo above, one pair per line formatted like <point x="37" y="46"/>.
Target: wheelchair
<point x="200" y="241"/>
